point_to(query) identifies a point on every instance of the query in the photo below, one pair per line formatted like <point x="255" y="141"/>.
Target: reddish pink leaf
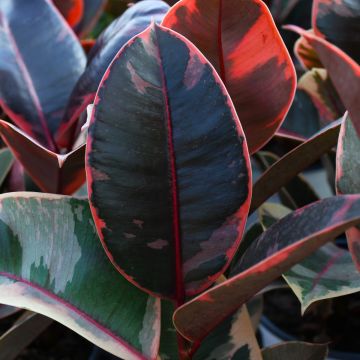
<point x="240" y="39"/>
<point x="343" y="71"/>
<point x="54" y="173"/>
<point x="72" y="10"/>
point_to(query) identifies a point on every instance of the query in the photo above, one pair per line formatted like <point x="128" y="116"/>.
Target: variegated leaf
<point x="52" y="263"/>
<point x="240" y="39"/>
<point x="338" y="21"/>
<point x="284" y="244"/>
<point x="233" y="339"/>
<point x="344" y="72"/>
<point x="37" y="76"/>
<point x="167" y="166"/>
<point x="306" y="54"/>
<point x="317" y="84"/>
<point x="134" y="20"/>
<point x="327" y="273"/>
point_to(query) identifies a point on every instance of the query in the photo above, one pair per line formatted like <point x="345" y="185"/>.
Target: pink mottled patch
<point x="129" y="236"/>
<point x="158" y="244"/>
<point x="194" y="70"/>
<point x="139" y="83"/>
<point x="99" y="175"/>
<point x="138" y="223"/>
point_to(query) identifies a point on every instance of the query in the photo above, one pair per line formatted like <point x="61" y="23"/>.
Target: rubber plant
<point x="39" y="92"/>
<point x="157" y="263"/>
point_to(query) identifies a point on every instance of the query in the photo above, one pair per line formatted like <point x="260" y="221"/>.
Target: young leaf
<point x="317" y="84"/>
<point x="338" y="21"/>
<point x="52" y="263"/>
<point x="297" y="160"/>
<point x="72" y="10"/>
<point x="37" y="76"/>
<point x="306" y="54"/>
<point x="344" y="72"/>
<point x="347" y="177"/>
<point x="283" y="245"/>
<point x="167" y="166"/>
<point x="54" y="173"/>
<point x="240" y="39"/>
<point x="295" y="350"/>
<point x="136" y="19"/>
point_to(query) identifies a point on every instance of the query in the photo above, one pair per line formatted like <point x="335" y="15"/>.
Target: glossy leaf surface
<point x="6" y="161"/>
<point x="136" y="19"/>
<point x="37" y="76"/>
<point x="328" y="273"/>
<point x="240" y="39"/>
<point x="72" y="10"/>
<point x="338" y="21"/>
<point x="92" y="10"/>
<point x="167" y="166"/>
<point x="302" y="120"/>
<point x="344" y="73"/>
<point x="295" y="350"/>
<point x="52" y="172"/>
<point x="81" y="290"/>
<point x="283" y="245"/>
<point x="347" y="177"/>
<point x="297" y="192"/>
<point x="290" y="165"/>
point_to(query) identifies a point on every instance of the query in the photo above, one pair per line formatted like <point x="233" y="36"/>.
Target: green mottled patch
<point x="52" y="243"/>
<point x="328" y="273"/>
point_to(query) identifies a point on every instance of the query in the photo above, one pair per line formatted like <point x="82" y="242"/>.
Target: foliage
<point x="170" y="128"/>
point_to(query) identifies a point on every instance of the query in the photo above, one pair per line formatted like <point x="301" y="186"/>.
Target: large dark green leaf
<point x="40" y="62"/>
<point x="167" y="166"/>
<point x="283" y="245"/>
<point x="240" y="39"/>
<point x="52" y="262"/>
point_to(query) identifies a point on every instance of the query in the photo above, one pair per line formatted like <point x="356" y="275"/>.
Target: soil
<point x="336" y="321"/>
